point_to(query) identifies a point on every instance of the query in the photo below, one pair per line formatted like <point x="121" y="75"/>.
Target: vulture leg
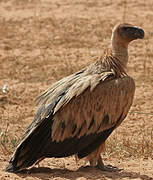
<point x="110" y="168"/>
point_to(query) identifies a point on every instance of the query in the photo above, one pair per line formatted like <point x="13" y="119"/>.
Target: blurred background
<point x="42" y="41"/>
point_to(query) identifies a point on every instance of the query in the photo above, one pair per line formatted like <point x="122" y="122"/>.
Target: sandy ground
<point x="42" y="41"/>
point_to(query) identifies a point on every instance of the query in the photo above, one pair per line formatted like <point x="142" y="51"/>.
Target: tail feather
<point x="34" y="141"/>
<point x="31" y="148"/>
<point x="11" y="168"/>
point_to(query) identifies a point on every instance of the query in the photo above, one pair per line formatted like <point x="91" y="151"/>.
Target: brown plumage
<point x="79" y="112"/>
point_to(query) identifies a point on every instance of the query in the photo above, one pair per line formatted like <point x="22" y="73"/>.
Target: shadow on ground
<point x="86" y="172"/>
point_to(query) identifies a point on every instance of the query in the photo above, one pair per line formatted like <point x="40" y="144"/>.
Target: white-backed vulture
<point x="79" y="112"/>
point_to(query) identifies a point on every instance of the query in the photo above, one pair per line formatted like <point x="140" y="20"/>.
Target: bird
<point x="79" y="112"/>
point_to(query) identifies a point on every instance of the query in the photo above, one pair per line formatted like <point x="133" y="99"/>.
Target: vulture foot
<point x="109" y="168"/>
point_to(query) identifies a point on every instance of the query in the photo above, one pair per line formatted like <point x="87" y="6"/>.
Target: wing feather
<point x="89" y="102"/>
<point x="89" y="110"/>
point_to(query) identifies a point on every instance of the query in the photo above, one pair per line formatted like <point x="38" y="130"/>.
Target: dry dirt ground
<point x="42" y="41"/>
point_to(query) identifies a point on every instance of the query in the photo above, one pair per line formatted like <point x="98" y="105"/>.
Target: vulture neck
<point x="120" y="51"/>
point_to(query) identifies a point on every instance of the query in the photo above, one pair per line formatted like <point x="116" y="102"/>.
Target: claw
<point x="110" y="168"/>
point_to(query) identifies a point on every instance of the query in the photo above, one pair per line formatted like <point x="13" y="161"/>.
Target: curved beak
<point x="139" y="33"/>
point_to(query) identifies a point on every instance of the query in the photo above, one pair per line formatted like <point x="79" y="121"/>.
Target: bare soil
<point x="42" y="41"/>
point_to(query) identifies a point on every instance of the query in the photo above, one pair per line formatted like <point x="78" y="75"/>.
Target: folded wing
<point x="76" y="116"/>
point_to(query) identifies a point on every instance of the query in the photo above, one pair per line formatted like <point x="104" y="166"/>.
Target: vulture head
<point x="123" y="34"/>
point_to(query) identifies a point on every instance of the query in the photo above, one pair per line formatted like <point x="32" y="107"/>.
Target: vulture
<point x="79" y="112"/>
